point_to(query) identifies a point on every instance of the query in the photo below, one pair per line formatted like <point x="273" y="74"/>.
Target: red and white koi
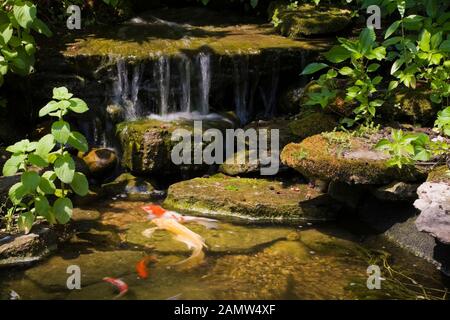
<point x="119" y="284"/>
<point x="155" y="211"/>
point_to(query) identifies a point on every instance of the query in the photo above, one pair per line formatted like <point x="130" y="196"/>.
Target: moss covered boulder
<point x="312" y="123"/>
<point x="295" y="21"/>
<point x="147" y="145"/>
<point x="250" y="199"/>
<point x="340" y="156"/>
<point x="411" y="106"/>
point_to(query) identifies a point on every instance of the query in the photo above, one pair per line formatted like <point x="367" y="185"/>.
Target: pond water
<point x="242" y="262"/>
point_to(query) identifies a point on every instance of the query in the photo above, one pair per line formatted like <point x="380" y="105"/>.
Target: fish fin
<point x="207" y="223"/>
<point x="149" y="232"/>
<point x="194" y="260"/>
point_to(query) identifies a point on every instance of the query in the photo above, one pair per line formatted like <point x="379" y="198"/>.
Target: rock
<point x="250" y="199"/>
<point x="312" y="123"/>
<point x="239" y="163"/>
<point x="410" y="106"/>
<point x="308" y="19"/>
<point x="101" y="162"/>
<point x="340" y="156"/>
<point x="147" y="146"/>
<point x="134" y="188"/>
<point x="397" y="191"/>
<point x="434" y="204"/>
<point x="20" y="249"/>
<point x="349" y="195"/>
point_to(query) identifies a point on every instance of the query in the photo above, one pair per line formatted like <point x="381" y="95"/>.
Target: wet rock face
<point x="308" y="20"/>
<point x="147" y="146"/>
<point x="434" y="204"/>
<point x="20" y="249"/>
<point x="250" y="199"/>
<point x="338" y="156"/>
<point x="131" y="187"/>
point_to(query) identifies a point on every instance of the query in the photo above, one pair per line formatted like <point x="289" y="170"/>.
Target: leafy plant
<point x="362" y="87"/>
<point x="47" y="168"/>
<point x="17" y="46"/>
<point x="442" y="123"/>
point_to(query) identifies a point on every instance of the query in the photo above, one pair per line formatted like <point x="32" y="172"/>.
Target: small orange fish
<point x="141" y="266"/>
<point x="119" y="284"/>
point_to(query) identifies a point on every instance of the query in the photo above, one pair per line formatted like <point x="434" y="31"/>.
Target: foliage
<point x="47" y="168"/>
<point x="18" y="19"/>
<point x="362" y="87"/>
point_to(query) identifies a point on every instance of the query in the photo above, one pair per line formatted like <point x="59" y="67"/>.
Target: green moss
<point x="440" y="174"/>
<point x="251" y="199"/>
<point x="343" y="157"/>
<point x="307" y="19"/>
<point x="312" y="123"/>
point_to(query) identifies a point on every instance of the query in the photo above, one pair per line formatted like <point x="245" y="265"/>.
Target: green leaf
<point x="61" y="131"/>
<point x="337" y="54"/>
<point x="65" y="168"/>
<point x="6" y="32"/>
<point x="40" y="27"/>
<point x="25" y="222"/>
<point x="22" y="147"/>
<point x="393" y="85"/>
<point x="45" y="146"/>
<point x="30" y="180"/>
<point x="61" y="93"/>
<point x="17" y="192"/>
<point x="52" y="106"/>
<point x="80" y="184"/>
<point x="46" y="185"/>
<point x="42" y="205"/>
<point x="63" y="210"/>
<point x="78" y="105"/>
<point x="346" y="71"/>
<point x="424" y="40"/>
<point x="12" y="165"/>
<point x="78" y="141"/>
<point x="313" y="68"/>
<point x="436" y="40"/>
<point x="373" y="67"/>
<point x="367" y="40"/>
<point x="25" y="13"/>
<point x="445" y="46"/>
<point x="37" y="160"/>
<point x="392" y="28"/>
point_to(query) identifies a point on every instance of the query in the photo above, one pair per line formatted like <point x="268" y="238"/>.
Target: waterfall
<point x="205" y="81"/>
<point x="241" y="85"/>
<point x="162" y="77"/>
<point x="185" y="84"/>
<point x="269" y="97"/>
<point x="125" y="92"/>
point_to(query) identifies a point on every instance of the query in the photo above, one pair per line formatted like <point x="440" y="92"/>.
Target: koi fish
<point x="119" y="284"/>
<point x="155" y="211"/>
<point x="191" y="239"/>
<point x="141" y="266"/>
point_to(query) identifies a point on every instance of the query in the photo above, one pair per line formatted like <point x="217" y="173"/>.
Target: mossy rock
<point x="440" y="174"/>
<point x="147" y="145"/>
<point x="340" y="156"/>
<point x="312" y="123"/>
<point x="309" y="20"/>
<point x="250" y="199"/>
<point x="410" y="106"/>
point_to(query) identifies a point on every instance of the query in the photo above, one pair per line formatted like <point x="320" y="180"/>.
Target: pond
<point x="243" y="261"/>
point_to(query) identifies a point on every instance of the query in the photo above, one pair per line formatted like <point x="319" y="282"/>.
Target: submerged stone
<point x="340" y="156"/>
<point x="134" y="188"/>
<point x="250" y="199"/>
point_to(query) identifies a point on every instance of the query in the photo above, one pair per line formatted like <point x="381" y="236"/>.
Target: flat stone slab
<point x="250" y="199"/>
<point x="339" y="156"/>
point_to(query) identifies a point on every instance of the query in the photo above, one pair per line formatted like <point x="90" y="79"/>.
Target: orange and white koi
<point x="119" y="284"/>
<point x="191" y="239"/>
<point x="155" y="211"/>
<point x="142" y="266"/>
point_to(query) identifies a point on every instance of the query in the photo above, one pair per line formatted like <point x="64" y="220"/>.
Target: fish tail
<point x="196" y="258"/>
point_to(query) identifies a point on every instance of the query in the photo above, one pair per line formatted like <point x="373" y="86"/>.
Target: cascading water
<point x="162" y="76"/>
<point x="184" y="67"/>
<point x="240" y="75"/>
<point x="205" y="81"/>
